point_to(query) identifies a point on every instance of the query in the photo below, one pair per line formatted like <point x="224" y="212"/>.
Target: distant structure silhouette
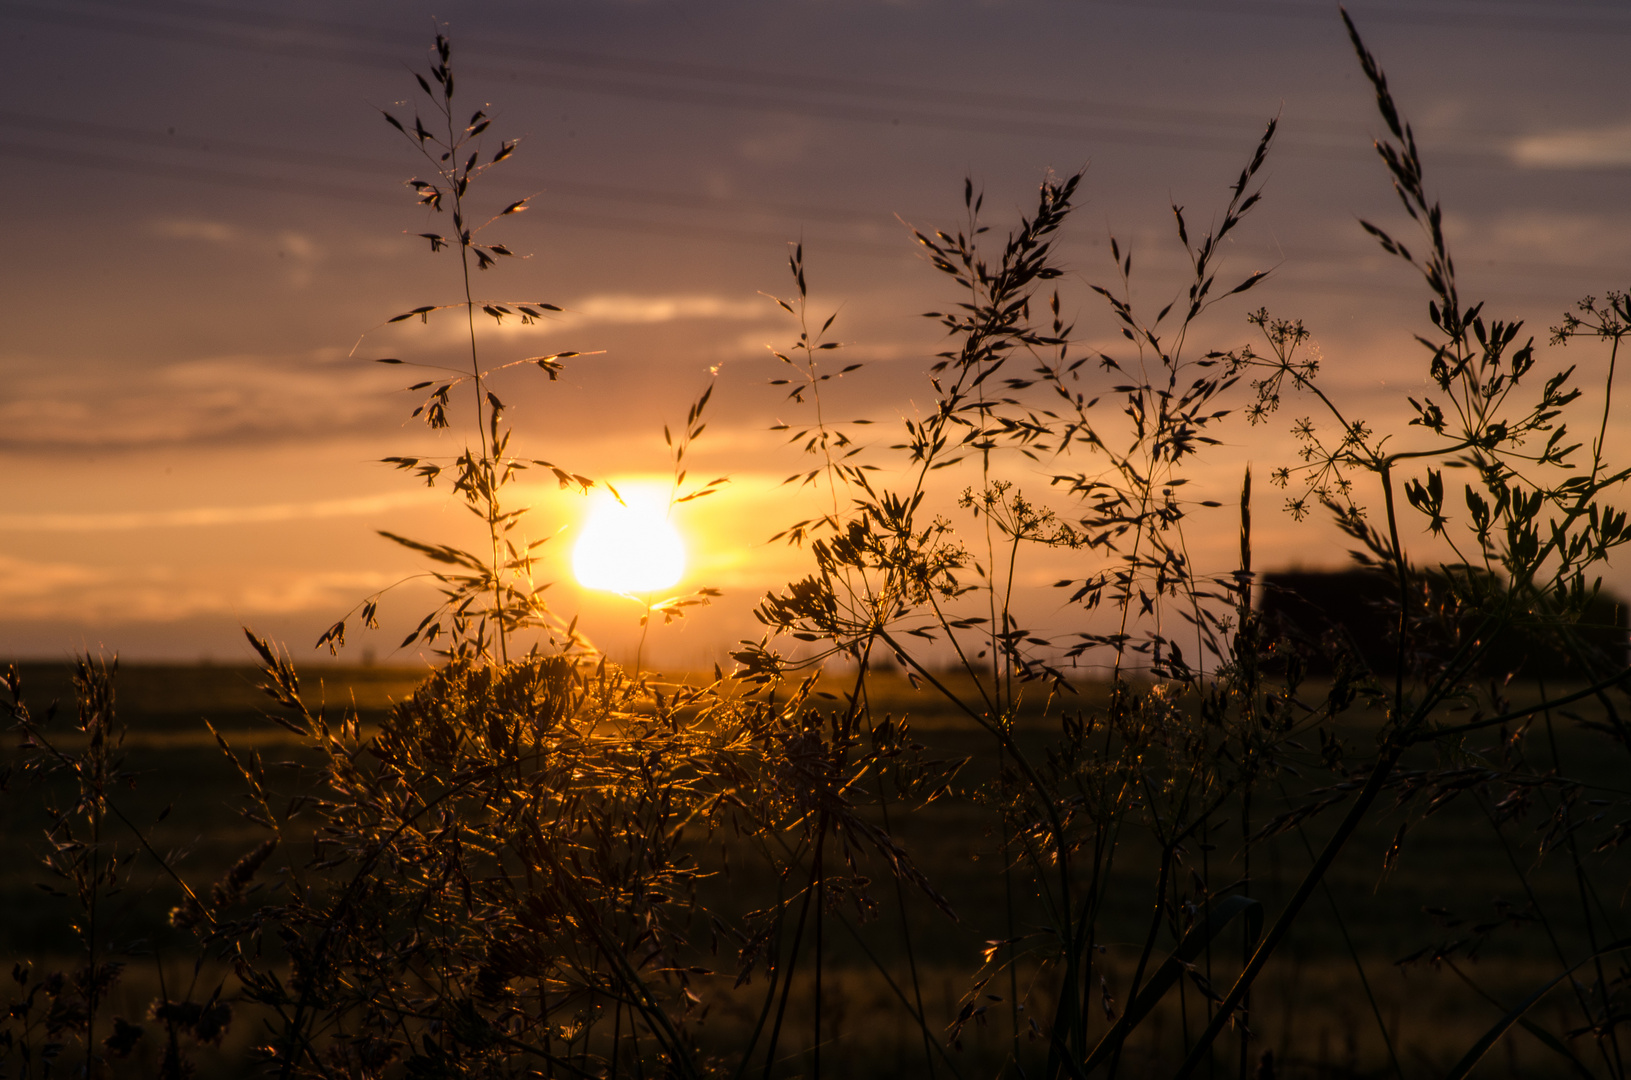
<point x="1355" y="612"/>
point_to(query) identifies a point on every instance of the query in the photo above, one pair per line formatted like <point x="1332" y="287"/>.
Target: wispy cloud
<point x="1604" y="147"/>
<point x="25" y="580"/>
<point x="208" y="232"/>
<point x="253" y="398"/>
<point x="299" y="252"/>
<point x="604" y="309"/>
<point x="33" y="589"/>
<point x="289" y="243"/>
<point x="120" y="521"/>
<point x="619" y="308"/>
<point x="217" y="399"/>
<point x="1553" y="238"/>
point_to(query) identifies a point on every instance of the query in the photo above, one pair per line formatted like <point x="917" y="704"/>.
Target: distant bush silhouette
<point x="1355" y="613"/>
<point x="541" y="864"/>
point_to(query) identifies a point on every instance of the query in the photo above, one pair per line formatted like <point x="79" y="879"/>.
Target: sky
<point x="208" y="228"/>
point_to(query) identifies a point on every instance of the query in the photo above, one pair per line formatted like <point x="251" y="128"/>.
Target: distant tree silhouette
<point x="1355" y="614"/>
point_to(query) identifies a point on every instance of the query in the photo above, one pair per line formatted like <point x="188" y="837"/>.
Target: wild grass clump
<point x="543" y="864"/>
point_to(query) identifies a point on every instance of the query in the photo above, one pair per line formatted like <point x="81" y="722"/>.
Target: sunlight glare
<point x="629" y="547"/>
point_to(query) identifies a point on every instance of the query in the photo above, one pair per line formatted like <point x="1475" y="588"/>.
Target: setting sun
<point x="642" y="611"/>
<point x="629" y="546"/>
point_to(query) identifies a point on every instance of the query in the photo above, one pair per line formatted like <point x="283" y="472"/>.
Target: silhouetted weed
<point x="540" y="864"/>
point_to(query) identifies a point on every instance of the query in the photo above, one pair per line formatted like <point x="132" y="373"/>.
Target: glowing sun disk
<point x="628" y="547"/>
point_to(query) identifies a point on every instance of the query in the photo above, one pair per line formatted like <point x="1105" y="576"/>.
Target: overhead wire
<point x="378" y="168"/>
<point x="294" y="36"/>
<point x="851" y="100"/>
<point x="1608" y="17"/>
<point x="308" y="186"/>
<point x="759" y="240"/>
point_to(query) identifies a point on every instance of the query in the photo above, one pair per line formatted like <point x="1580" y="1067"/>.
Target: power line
<point x="611" y="77"/>
<point x="759" y="239"/>
<point x="1556" y="18"/>
<point x="366" y="52"/>
<point x="869" y="101"/>
<point x="125" y="166"/>
<point x="753" y="80"/>
<point x="378" y="168"/>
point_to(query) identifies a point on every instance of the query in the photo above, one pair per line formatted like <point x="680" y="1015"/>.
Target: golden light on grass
<point x="629" y="546"/>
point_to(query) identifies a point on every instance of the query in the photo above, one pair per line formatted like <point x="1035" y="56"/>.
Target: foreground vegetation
<point x="1200" y="859"/>
<point x="1311" y="1010"/>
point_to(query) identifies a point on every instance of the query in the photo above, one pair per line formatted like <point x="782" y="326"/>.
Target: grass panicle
<point x="918" y="829"/>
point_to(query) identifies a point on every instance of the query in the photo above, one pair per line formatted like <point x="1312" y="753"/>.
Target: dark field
<point x="1457" y="877"/>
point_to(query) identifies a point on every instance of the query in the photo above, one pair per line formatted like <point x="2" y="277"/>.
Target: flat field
<point x="1458" y="876"/>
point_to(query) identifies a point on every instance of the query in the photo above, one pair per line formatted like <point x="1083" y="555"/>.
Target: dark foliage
<point x="540" y="864"/>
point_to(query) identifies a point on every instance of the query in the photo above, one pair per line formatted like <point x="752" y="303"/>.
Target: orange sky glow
<point x="210" y="230"/>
